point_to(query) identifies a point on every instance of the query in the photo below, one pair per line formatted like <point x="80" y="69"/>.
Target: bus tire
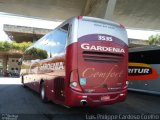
<point x="43" y="93"/>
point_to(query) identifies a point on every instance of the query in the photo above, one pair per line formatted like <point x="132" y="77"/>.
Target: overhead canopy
<point x="22" y="33"/>
<point x="131" y="13"/>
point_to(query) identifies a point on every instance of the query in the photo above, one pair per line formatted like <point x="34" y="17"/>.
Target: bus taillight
<point x="74" y="83"/>
<point x="126" y="84"/>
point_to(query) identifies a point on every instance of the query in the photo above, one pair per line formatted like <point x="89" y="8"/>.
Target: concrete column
<point x="1" y="65"/>
<point x="5" y="61"/>
<point x="110" y="9"/>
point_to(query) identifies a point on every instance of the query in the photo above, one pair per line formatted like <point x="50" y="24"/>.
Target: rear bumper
<point x="94" y="99"/>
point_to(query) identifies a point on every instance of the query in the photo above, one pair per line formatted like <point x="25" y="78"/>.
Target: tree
<point x="154" y="39"/>
<point x="7" y="46"/>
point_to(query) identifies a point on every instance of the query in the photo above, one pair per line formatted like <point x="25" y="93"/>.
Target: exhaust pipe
<point x="83" y="102"/>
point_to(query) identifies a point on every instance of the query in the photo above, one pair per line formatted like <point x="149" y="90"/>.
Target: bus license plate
<point x="105" y="98"/>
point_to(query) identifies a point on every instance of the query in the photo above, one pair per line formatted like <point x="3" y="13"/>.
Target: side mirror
<point x="20" y="61"/>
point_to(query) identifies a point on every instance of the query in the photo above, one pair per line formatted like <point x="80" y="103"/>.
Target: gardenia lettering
<point x="53" y="66"/>
<point x="87" y="46"/>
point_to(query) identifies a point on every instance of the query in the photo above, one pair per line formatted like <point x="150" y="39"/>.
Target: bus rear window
<point x="102" y="31"/>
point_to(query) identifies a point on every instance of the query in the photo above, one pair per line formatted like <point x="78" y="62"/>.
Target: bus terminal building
<point x="9" y="60"/>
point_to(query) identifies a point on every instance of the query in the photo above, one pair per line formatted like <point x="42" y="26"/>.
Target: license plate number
<point x="105" y="98"/>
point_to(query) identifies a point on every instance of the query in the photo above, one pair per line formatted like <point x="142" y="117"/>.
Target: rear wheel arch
<point x="41" y="81"/>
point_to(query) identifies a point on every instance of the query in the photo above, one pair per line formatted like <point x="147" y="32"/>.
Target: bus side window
<point x="69" y="31"/>
<point x="148" y="57"/>
<point x="56" y="41"/>
<point x="67" y="28"/>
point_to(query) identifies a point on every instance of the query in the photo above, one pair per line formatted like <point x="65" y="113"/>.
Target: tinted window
<point x="65" y="27"/>
<point x="149" y="57"/>
<point x="54" y="42"/>
<point x="49" y="45"/>
<point x="35" y="53"/>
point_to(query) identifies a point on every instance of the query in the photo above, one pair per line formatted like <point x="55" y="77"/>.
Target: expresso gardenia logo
<point x="87" y="46"/>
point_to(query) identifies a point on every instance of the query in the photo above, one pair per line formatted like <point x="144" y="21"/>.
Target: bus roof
<point x="98" y="20"/>
<point x="94" y="19"/>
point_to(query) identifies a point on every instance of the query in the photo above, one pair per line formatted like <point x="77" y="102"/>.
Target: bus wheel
<point x="43" y="93"/>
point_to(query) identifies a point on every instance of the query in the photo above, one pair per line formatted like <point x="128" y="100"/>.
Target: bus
<point x="82" y="62"/>
<point x="144" y="69"/>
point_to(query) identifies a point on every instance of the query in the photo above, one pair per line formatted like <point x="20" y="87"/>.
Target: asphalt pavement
<point x="19" y="103"/>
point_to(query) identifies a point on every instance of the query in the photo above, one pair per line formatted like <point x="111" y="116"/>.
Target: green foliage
<point x="7" y="46"/>
<point x="21" y="46"/>
<point x="23" y="66"/>
<point x="154" y="39"/>
<point x="37" y="53"/>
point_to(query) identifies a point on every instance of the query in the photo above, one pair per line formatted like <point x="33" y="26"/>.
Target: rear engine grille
<point x="102" y="57"/>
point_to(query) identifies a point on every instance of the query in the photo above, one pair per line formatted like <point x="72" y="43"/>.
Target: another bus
<point x="81" y="62"/>
<point x="144" y="69"/>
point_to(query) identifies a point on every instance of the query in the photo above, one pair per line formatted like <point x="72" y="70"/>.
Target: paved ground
<point x="23" y="104"/>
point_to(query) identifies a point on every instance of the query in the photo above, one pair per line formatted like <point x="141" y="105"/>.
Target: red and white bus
<point x="81" y="62"/>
